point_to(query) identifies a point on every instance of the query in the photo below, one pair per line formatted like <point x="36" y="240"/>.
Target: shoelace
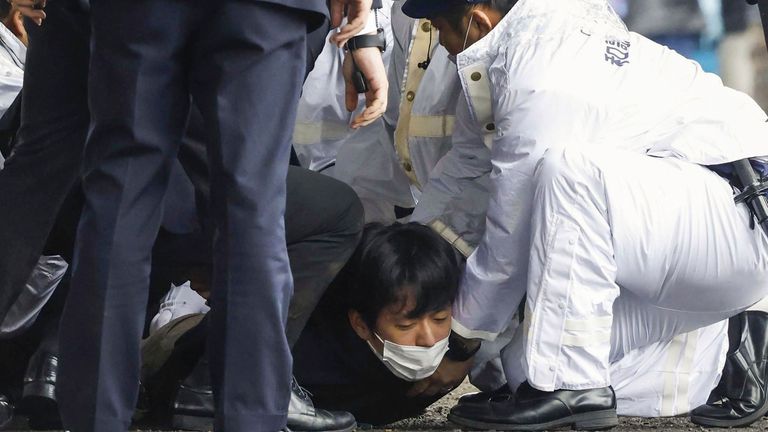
<point x="303" y="393"/>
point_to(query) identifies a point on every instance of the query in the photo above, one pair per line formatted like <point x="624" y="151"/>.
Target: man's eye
<point x="440" y="319"/>
<point x="404" y="326"/>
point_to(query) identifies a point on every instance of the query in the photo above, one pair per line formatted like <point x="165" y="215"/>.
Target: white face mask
<point x="411" y="363"/>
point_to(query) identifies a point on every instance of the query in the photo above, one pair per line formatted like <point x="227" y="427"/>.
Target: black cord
<point x="425" y="64"/>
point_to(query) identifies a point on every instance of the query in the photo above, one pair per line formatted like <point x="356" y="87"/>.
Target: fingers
<point x="370" y="63"/>
<point x="376" y="105"/>
<point x="357" y="17"/>
<point x="31" y="9"/>
<point x="419" y="388"/>
<point x="430" y="387"/>
<point x="350" y="96"/>
<point x="350" y="92"/>
<point x="353" y="26"/>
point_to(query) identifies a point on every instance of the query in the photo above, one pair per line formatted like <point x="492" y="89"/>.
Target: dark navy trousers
<point x="47" y="155"/>
<point x="242" y="62"/>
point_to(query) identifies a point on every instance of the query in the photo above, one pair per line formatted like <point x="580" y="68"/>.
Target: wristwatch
<point x="366" y="41"/>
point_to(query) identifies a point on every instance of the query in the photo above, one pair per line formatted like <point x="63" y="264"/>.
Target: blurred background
<point x="724" y="36"/>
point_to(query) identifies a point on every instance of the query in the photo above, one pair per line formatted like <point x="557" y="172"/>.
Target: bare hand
<point x="447" y="377"/>
<point x="32" y="9"/>
<point x="370" y="63"/>
<point x="357" y="17"/>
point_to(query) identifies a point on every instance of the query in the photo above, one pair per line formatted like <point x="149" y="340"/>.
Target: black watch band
<point x="366" y="41"/>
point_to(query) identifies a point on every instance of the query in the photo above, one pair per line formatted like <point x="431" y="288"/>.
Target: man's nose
<point x="426" y="337"/>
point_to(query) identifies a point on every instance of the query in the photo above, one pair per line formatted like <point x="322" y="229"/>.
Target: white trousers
<point x="662" y="379"/>
<point x="630" y="250"/>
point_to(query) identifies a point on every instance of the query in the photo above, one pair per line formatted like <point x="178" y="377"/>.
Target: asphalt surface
<point x="434" y="419"/>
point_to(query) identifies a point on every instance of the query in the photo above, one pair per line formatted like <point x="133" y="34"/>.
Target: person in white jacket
<point x="387" y="163"/>
<point x="603" y="212"/>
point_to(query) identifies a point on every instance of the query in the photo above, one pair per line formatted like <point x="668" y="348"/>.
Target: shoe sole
<point x="742" y="422"/>
<point x="597" y="420"/>
<point x="205" y="424"/>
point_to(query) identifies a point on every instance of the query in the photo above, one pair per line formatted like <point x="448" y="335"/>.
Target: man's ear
<point x="359" y="325"/>
<point x="485" y="18"/>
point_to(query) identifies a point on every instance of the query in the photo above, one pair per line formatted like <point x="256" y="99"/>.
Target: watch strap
<point x="366" y="41"/>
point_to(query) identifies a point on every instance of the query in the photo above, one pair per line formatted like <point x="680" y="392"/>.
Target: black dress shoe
<point x="740" y="398"/>
<point x="39" y="395"/>
<point x="532" y="409"/>
<point x="6" y="412"/>
<point x="482" y="398"/>
<point x="304" y="417"/>
<point x="193" y="408"/>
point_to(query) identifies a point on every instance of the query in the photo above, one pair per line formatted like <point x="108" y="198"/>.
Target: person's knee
<point x="563" y="169"/>
<point x="351" y="215"/>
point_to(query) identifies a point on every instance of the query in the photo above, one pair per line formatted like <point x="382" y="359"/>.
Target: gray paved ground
<point x="434" y="420"/>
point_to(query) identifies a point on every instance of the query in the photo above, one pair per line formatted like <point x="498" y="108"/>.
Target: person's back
<point x="635" y="94"/>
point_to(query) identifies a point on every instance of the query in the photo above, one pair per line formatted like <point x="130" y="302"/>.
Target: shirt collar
<point x="538" y="17"/>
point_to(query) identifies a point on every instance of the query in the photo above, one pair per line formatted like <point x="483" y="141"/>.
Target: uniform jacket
<point x="568" y="73"/>
<point x="390" y="160"/>
<point x="322" y="138"/>
<point x="422" y="97"/>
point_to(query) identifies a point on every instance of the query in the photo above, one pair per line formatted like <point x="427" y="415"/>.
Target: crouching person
<point x="605" y="213"/>
<point x="379" y="344"/>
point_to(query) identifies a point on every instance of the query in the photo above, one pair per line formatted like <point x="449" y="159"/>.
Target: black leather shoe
<point x="304" y="417"/>
<point x="532" y="409"/>
<point x="193" y="408"/>
<point x="482" y="398"/>
<point x="740" y="397"/>
<point x="6" y="412"/>
<point x="39" y="395"/>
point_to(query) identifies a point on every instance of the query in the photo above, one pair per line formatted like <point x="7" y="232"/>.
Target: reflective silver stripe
<point x="670" y="390"/>
<point x="313" y="133"/>
<point x="472" y="334"/>
<point x="587" y="332"/>
<point x="420" y="49"/>
<point x="686" y="368"/>
<point x="451" y="237"/>
<point x="586" y="340"/>
<point x="591" y="324"/>
<point x="478" y="89"/>
<point x="431" y="126"/>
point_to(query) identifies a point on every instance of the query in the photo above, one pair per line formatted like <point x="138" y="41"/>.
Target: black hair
<point x="394" y="261"/>
<point x="5" y="9"/>
<point x="454" y="13"/>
